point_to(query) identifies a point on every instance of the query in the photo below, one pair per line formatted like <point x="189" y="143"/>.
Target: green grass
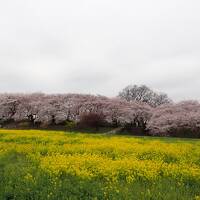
<point x="59" y="165"/>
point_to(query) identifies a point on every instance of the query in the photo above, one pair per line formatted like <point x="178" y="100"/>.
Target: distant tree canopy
<point x="144" y="94"/>
<point x="180" y="119"/>
<point x="84" y="109"/>
<point x="138" y="108"/>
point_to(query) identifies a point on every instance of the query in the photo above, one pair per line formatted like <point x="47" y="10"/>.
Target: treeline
<point x="136" y="108"/>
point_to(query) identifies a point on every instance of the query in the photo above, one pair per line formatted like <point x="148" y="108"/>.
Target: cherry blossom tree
<point x="8" y="106"/>
<point x="57" y="109"/>
<point x="180" y="119"/>
<point x="168" y="119"/>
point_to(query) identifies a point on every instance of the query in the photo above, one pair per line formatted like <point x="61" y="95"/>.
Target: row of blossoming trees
<point x="164" y="118"/>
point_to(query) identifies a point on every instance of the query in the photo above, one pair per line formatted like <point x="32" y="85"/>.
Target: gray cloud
<point x="100" y="46"/>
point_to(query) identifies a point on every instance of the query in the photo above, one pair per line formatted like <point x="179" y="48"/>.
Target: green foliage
<point x="70" y="125"/>
<point x="24" y="124"/>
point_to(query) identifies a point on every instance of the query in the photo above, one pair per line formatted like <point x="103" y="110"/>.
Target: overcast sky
<point x="100" y="46"/>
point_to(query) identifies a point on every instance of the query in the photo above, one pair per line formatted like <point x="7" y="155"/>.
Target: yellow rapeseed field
<point x="58" y="165"/>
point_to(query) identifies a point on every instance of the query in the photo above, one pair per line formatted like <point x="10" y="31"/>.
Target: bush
<point x="91" y="120"/>
<point x="70" y="125"/>
<point x="24" y="124"/>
